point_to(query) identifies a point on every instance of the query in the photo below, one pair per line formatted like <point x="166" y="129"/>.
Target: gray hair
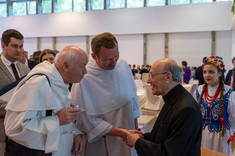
<point x="69" y="55"/>
<point x="176" y="71"/>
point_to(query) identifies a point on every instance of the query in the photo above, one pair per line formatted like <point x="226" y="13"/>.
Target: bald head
<point x="71" y="63"/>
<point x="72" y="54"/>
<point x="168" y="65"/>
<point x="165" y="74"/>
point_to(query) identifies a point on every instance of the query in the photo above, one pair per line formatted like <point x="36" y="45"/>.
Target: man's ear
<point x="93" y="56"/>
<point x="3" y="46"/>
<point x="65" y="66"/>
<point x="168" y="77"/>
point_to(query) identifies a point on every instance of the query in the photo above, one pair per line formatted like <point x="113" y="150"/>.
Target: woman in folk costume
<point x="217" y="103"/>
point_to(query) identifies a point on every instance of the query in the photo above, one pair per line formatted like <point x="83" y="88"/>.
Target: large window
<point x="79" y="5"/>
<point x="97" y="4"/>
<point x="201" y="1"/>
<point x="18" y="8"/>
<point x="3" y="9"/>
<point x="135" y="3"/>
<point x="31" y="7"/>
<point x="155" y="3"/>
<point x="64" y="6"/>
<point x="176" y="2"/>
<point x="116" y="4"/>
<point x="46" y="6"/>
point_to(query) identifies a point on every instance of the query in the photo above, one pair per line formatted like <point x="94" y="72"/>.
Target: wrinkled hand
<point x="77" y="145"/>
<point x="68" y="115"/>
<point x="131" y="137"/>
<point x="141" y="134"/>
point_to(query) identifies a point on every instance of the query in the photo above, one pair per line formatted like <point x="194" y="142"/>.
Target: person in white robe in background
<point x="107" y="94"/>
<point x="46" y="88"/>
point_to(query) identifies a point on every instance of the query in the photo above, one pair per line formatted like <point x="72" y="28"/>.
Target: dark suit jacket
<point x="6" y="79"/>
<point x="32" y="64"/>
<point x="228" y="77"/>
<point x="178" y="129"/>
<point x="199" y="75"/>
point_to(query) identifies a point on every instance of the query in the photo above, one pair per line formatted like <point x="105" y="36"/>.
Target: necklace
<point x="209" y="99"/>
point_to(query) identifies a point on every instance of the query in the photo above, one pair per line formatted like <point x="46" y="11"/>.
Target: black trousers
<point x="15" y="149"/>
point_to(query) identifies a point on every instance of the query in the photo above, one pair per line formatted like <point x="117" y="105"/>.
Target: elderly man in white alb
<point x="39" y="119"/>
<point x="108" y="95"/>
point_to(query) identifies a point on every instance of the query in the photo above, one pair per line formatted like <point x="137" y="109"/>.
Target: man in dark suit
<point x="229" y="80"/>
<point x="178" y="129"/>
<point x="199" y="74"/>
<point x="10" y="69"/>
<point x="24" y="60"/>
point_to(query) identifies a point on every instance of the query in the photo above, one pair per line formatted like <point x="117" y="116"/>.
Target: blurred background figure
<point x="133" y="70"/>
<point x="186" y="72"/>
<point x="36" y="55"/>
<point x="199" y="73"/>
<point x="24" y="60"/>
<point x="230" y="77"/>
<point x="48" y="55"/>
<point x="193" y="72"/>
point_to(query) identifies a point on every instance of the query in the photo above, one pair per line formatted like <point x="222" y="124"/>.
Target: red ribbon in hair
<point x="231" y="138"/>
<point x="222" y="121"/>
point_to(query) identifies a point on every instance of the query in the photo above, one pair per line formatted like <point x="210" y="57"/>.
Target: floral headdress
<point x="216" y="61"/>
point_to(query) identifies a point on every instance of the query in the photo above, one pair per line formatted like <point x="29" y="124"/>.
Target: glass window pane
<point x="31" y="7"/>
<point x="64" y="6"/>
<point x="97" y="4"/>
<point x="175" y="2"/>
<point x="19" y="8"/>
<point x="223" y="0"/>
<point x="116" y="4"/>
<point x="3" y="9"/>
<point x="155" y="3"/>
<point x="79" y="5"/>
<point x="46" y="6"/>
<point x="201" y="1"/>
<point x="135" y="3"/>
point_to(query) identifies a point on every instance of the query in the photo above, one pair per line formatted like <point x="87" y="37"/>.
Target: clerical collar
<point x="171" y="93"/>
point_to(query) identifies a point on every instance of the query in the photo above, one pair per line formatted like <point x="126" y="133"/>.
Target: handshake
<point x="130" y="136"/>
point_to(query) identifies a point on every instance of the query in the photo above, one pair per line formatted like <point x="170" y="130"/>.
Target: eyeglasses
<point x="151" y="75"/>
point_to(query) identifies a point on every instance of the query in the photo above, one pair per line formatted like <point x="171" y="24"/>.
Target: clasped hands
<point x="131" y="136"/>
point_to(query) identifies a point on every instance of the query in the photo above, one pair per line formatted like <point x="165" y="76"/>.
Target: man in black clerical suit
<point x="178" y="129"/>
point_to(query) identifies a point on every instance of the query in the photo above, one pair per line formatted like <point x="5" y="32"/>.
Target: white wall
<point x="79" y="41"/>
<point x="191" y="47"/>
<point x="30" y="45"/>
<point x="46" y="43"/>
<point x="155" y="47"/>
<point x="224" y="47"/>
<point x="131" y="48"/>
<point x="214" y="16"/>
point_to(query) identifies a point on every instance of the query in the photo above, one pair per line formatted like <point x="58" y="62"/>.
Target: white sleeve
<point x="135" y="106"/>
<point x="32" y="129"/>
<point x="26" y="121"/>
<point x="94" y="126"/>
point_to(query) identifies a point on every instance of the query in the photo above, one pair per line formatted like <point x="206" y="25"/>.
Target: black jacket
<point x="31" y="64"/>
<point x="178" y="129"/>
<point x="228" y="77"/>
